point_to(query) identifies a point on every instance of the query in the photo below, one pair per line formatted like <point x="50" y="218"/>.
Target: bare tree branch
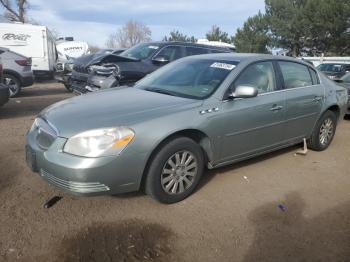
<point x="130" y="34"/>
<point x="11" y="13"/>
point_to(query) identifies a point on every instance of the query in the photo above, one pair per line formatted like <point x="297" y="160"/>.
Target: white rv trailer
<point x="216" y="43"/>
<point x="33" y="41"/>
<point x="71" y="49"/>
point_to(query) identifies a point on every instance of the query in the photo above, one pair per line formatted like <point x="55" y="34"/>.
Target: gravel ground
<point x="233" y="216"/>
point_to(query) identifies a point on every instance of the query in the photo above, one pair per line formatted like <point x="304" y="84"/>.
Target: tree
<point x="17" y="13"/>
<point x="254" y="36"/>
<point x="130" y="34"/>
<point x="309" y="25"/>
<point x="215" y="34"/>
<point x="177" y="36"/>
<point x="94" y="48"/>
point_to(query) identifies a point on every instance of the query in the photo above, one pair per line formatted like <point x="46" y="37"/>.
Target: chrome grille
<point x="78" y="187"/>
<point x="80" y="69"/>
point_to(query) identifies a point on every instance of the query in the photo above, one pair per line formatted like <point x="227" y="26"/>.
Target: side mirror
<point x="244" y="92"/>
<point x="160" y="60"/>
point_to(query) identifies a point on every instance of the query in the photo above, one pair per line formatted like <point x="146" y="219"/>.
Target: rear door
<point x="304" y="98"/>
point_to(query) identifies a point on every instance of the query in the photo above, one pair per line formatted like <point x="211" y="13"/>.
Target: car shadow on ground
<point x="212" y="173"/>
<point x="283" y="232"/>
<point x="131" y="240"/>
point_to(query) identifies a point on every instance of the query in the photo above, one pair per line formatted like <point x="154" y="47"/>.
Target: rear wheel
<point x="324" y="131"/>
<point x="175" y="171"/>
<point x="13" y="83"/>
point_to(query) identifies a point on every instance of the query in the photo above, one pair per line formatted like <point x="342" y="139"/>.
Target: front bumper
<point x="85" y="176"/>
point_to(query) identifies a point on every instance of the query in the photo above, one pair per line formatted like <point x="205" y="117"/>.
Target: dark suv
<point x="133" y="64"/>
<point x="334" y="71"/>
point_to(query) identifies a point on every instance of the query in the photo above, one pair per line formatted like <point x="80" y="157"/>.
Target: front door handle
<point x="276" y="108"/>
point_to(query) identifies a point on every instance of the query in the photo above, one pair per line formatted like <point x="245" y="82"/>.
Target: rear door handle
<point x="276" y="108"/>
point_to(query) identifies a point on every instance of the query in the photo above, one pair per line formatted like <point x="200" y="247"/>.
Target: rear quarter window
<point x="295" y="74"/>
<point x="314" y="77"/>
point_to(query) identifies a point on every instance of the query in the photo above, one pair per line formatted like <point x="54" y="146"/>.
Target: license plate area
<point x="31" y="159"/>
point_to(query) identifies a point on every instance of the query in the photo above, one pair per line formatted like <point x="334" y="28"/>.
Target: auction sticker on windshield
<point x="223" y="66"/>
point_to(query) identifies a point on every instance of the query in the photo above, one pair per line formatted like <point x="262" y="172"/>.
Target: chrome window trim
<point x="162" y="48"/>
<point x="273" y="92"/>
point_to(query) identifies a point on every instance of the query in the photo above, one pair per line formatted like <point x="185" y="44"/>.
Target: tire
<point x="319" y="139"/>
<point x="14" y="84"/>
<point x="68" y="87"/>
<point x="166" y="170"/>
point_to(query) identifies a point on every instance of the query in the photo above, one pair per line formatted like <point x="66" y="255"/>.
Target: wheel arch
<point x="13" y="73"/>
<point x="198" y="136"/>
<point x="335" y="109"/>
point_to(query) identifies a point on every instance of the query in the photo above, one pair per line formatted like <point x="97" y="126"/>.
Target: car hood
<point x="111" y="108"/>
<point x="111" y="58"/>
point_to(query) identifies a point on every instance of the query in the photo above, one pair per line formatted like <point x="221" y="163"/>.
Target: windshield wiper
<point x="161" y="91"/>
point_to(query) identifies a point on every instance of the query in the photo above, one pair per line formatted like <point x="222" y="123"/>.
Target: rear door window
<point x="171" y="53"/>
<point x="196" y="50"/>
<point x="215" y="51"/>
<point x="295" y="74"/>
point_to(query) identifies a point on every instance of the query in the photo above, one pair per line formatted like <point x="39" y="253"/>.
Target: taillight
<point x="24" y="62"/>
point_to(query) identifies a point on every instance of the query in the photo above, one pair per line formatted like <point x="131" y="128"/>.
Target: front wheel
<point x="175" y="171"/>
<point x="13" y="83"/>
<point x="324" y="131"/>
<point x="68" y="87"/>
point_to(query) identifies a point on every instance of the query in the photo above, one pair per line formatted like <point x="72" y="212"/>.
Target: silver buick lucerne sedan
<point x="201" y="111"/>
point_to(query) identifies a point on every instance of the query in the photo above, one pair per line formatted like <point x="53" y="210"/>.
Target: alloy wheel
<point x="326" y="131"/>
<point x="13" y="86"/>
<point x="179" y="172"/>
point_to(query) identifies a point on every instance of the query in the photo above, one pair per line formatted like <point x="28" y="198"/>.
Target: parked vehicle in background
<point x="197" y="112"/>
<point x="133" y="64"/>
<point x="71" y="49"/>
<point x="33" y="41"/>
<point x="333" y="70"/>
<point x="17" y="72"/>
<point x="345" y="82"/>
<point x="4" y="89"/>
<point x="64" y="71"/>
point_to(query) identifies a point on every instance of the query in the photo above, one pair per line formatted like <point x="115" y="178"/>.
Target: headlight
<point x="99" y="142"/>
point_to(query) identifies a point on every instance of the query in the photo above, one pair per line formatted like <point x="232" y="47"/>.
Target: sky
<point x="94" y="20"/>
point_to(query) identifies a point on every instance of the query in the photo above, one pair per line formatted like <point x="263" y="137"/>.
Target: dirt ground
<point x="233" y="216"/>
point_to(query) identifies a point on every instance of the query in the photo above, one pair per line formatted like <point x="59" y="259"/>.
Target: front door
<point x="253" y="125"/>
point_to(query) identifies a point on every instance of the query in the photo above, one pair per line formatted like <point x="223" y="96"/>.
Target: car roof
<point x="190" y="44"/>
<point x="335" y="63"/>
<point x="247" y="57"/>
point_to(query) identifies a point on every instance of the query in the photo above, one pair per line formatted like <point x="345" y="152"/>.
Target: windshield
<point x="331" y="67"/>
<point x="141" y="51"/>
<point x="190" y="78"/>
